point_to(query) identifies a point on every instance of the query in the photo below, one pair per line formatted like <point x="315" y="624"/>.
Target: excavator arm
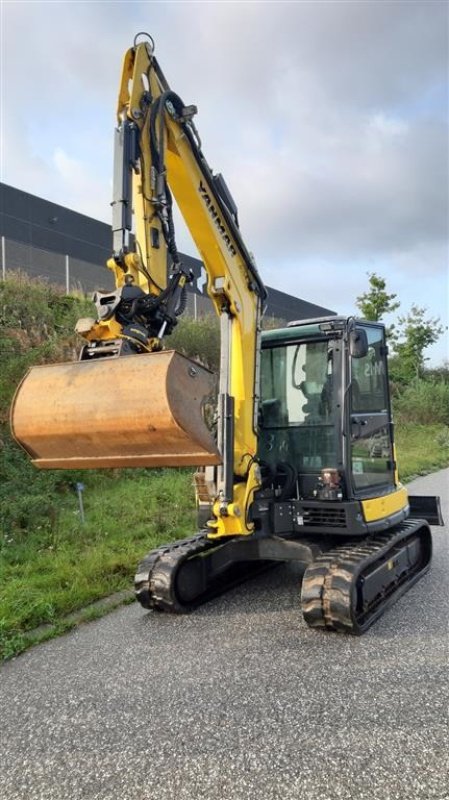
<point x="169" y="159"/>
<point x="107" y="411"/>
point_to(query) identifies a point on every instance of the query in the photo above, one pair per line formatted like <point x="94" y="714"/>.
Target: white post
<point x="67" y="275"/>
<point x="80" y="490"/>
<point x="3" y="258"/>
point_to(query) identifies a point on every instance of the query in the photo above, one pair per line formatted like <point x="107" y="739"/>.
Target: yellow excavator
<point x="299" y="461"/>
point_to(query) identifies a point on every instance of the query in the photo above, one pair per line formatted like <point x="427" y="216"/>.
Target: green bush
<point x="425" y="402"/>
<point x="198" y="339"/>
<point x="37" y="323"/>
<point x="38" y="308"/>
<point x="28" y="497"/>
<point x="440" y="373"/>
<point x="442" y="439"/>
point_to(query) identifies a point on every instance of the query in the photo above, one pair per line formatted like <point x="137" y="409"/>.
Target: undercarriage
<point x="346" y="585"/>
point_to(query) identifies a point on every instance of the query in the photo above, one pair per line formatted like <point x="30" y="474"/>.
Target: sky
<point x="327" y="119"/>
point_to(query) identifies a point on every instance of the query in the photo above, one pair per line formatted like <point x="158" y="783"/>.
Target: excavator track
<point x="173" y="578"/>
<point x="145" y="589"/>
<point x="349" y="587"/>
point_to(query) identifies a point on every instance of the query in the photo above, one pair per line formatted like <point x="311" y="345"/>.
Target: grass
<point x="421" y="449"/>
<point x="14" y="643"/>
<point x="52" y="570"/>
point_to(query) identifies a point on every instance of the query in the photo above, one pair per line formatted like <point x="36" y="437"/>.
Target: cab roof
<point x="310" y="329"/>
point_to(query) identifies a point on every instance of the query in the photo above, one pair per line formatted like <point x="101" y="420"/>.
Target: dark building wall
<point x="31" y="225"/>
<point x="284" y="306"/>
<point x="33" y="221"/>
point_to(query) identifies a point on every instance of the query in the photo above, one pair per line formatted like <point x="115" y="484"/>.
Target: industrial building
<point x="50" y="241"/>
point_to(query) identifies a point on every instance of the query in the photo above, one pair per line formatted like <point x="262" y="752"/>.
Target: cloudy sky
<point x="328" y="120"/>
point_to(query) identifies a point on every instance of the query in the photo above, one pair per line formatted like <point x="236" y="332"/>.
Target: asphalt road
<point x="239" y="700"/>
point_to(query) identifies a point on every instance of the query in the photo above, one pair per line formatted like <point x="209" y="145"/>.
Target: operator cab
<point x="325" y="409"/>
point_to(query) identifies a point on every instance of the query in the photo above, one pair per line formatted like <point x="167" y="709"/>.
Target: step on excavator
<point x="299" y="463"/>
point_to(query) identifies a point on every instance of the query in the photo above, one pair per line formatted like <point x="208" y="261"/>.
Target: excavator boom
<point x="128" y="402"/>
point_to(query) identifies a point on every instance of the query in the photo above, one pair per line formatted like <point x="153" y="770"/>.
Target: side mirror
<point x="358" y="343"/>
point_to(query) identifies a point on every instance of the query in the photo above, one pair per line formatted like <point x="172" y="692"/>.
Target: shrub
<point x="199" y="339"/>
<point x="423" y="402"/>
<point x="442" y="438"/>
<point x="440" y="373"/>
<point x="39" y="308"/>
<point x="26" y="494"/>
<point x="37" y="323"/>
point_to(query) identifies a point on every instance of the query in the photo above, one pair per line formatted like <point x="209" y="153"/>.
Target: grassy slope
<point x="421" y="449"/>
<point x="53" y="570"/>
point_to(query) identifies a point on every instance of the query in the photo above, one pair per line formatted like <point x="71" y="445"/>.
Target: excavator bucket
<point x="134" y="411"/>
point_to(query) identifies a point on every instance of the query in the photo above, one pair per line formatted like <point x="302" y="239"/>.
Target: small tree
<point x="417" y="333"/>
<point x="376" y="302"/>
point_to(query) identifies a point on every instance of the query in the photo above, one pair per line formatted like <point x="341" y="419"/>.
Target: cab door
<point x="371" y="441"/>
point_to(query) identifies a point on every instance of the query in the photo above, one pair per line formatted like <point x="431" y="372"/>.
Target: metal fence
<point x="72" y="274"/>
<point x="63" y="270"/>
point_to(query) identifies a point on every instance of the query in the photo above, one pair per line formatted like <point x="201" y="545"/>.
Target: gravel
<point x="238" y="700"/>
